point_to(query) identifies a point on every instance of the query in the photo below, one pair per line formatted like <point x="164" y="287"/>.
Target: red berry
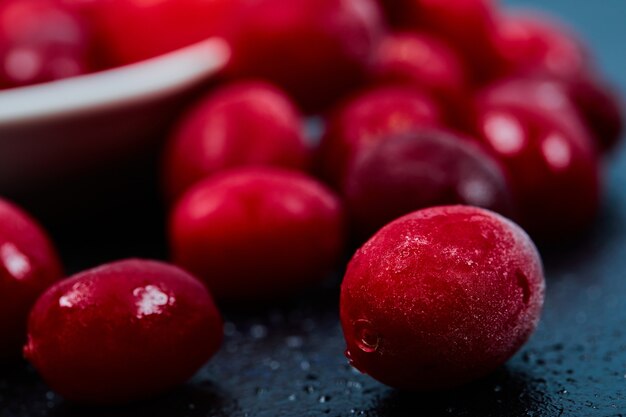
<point x="28" y="265"/>
<point x="584" y="103"/>
<point x="421" y="170"/>
<point x="552" y="165"/>
<point x="535" y="43"/>
<point x="600" y="109"/>
<point x="440" y="297"/>
<point x="468" y="26"/>
<point x="317" y="50"/>
<point x="368" y="119"/>
<point x="40" y="41"/>
<point x="257" y="233"/>
<point x="422" y="61"/>
<point x="133" y="30"/>
<point x="122" y="331"/>
<point x="247" y="123"/>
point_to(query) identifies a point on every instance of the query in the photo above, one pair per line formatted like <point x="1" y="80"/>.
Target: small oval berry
<point x="41" y="41"/>
<point x="317" y="50"/>
<point x="367" y="119"/>
<point x="245" y="123"/>
<point x="257" y="234"/>
<point x="533" y="43"/>
<point x="123" y="331"/>
<point x="552" y="164"/>
<point x="440" y="297"/>
<point x="425" y="169"/>
<point x="29" y="264"/>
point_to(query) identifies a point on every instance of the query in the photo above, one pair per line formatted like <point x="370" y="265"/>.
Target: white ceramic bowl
<point x="53" y="130"/>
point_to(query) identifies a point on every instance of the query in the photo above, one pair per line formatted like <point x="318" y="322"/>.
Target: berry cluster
<point x="436" y="114"/>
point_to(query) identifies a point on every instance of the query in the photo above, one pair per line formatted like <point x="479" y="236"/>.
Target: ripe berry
<point x="584" y="103"/>
<point x="247" y="123"/>
<point x="420" y="170"/>
<point x="255" y="234"/>
<point x="552" y="166"/>
<point x="28" y="265"/>
<point x="440" y="297"/>
<point x="424" y="62"/>
<point x="468" y="26"/>
<point x="40" y="41"/>
<point x="122" y="331"/>
<point x="538" y="44"/>
<point x="134" y="30"/>
<point x="317" y="50"/>
<point x="369" y="118"/>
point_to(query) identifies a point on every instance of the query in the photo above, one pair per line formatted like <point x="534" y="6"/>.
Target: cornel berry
<point x="440" y="297"/>
<point x="256" y="234"/>
<point x="419" y="170"/>
<point x="424" y="62"/>
<point x="552" y="165"/>
<point x="41" y="41"/>
<point x="316" y="50"/>
<point x="123" y="331"/>
<point x="28" y="265"/>
<point x="369" y="118"/>
<point x="245" y="123"/>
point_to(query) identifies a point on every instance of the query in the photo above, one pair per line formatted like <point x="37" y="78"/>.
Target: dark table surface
<point x="287" y="360"/>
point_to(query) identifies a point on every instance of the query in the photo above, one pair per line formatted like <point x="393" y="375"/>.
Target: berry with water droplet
<point x="29" y="264"/>
<point x="440" y="297"/>
<point x="123" y="331"/>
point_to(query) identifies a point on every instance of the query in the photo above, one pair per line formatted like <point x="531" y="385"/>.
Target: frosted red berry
<point x="369" y="118"/>
<point x="29" y="264"/>
<point x="552" y="165"/>
<point x="440" y="297"/>
<point x="41" y="41"/>
<point x="415" y="171"/>
<point x="245" y="123"/>
<point x="316" y="50"/>
<point x="123" y="331"/>
<point x="257" y="234"/>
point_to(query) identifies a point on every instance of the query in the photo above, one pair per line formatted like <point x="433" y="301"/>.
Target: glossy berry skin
<point x="552" y="165"/>
<point x="41" y="41"/>
<point x="317" y="50"/>
<point x="369" y="118"/>
<point x="123" y="331"/>
<point x="585" y="103"/>
<point x="257" y="234"/>
<point x="419" y="170"/>
<point x="134" y="30"/>
<point x="440" y="297"/>
<point x="424" y="62"/>
<point x="28" y="265"/>
<point x="600" y="108"/>
<point x="537" y="44"/>
<point x="245" y="123"/>
<point x="468" y="26"/>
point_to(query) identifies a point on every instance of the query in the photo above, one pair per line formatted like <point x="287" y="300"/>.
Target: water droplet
<point x="305" y="365"/>
<point x="497" y="388"/>
<point x="274" y="365"/>
<point x="563" y="391"/>
<point x="292" y="397"/>
<point x="324" y="398"/>
<point x="367" y="339"/>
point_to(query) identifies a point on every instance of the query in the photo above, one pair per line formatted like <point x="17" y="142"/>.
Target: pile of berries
<point x="436" y="115"/>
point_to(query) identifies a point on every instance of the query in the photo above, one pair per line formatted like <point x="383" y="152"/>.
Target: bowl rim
<point x="122" y="86"/>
